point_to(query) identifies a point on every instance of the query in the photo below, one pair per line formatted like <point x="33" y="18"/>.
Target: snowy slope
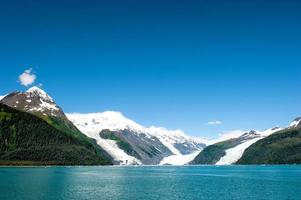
<point x="35" y="101"/>
<point x="235" y="153"/>
<point x="117" y="154"/>
<point x="179" y="159"/>
<point x="295" y="123"/>
<point x="91" y="124"/>
<point x="46" y="102"/>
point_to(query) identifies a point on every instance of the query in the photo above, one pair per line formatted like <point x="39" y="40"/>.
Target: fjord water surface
<point x="151" y="182"/>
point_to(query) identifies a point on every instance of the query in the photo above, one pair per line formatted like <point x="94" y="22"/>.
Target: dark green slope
<point x="121" y="143"/>
<point x="31" y="102"/>
<point x="213" y="153"/>
<point x="27" y="139"/>
<point x="283" y="147"/>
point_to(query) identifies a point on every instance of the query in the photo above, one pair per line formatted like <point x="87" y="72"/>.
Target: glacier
<point x="93" y="123"/>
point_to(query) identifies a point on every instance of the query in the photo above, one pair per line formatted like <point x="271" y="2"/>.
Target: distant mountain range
<point x="129" y="142"/>
<point x="229" y="151"/>
<point x="122" y="140"/>
<point x="272" y="146"/>
<point x="35" y="130"/>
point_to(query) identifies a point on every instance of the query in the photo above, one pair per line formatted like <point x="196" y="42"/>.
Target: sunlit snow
<point x="91" y="124"/>
<point x="179" y="159"/>
<point x="235" y="153"/>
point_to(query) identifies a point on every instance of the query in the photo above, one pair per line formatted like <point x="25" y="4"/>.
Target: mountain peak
<point x="250" y="134"/>
<point x="113" y="120"/>
<point x="35" y="101"/>
<point x="295" y="123"/>
<point x="36" y="89"/>
<point x="39" y="92"/>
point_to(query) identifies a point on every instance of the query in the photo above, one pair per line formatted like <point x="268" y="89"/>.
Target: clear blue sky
<point x="177" y="64"/>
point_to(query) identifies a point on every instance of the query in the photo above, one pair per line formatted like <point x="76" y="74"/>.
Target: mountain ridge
<point x="282" y="147"/>
<point x="229" y="151"/>
<point x="176" y="141"/>
<point x="129" y="143"/>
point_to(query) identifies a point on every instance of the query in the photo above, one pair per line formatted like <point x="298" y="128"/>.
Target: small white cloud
<point x="27" y="77"/>
<point x="214" y="122"/>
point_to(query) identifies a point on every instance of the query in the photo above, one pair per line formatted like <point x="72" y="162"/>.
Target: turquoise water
<point x="166" y="182"/>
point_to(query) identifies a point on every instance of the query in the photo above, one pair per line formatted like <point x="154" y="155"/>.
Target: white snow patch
<point x="50" y="106"/>
<point x="234" y="154"/>
<point x="39" y="92"/>
<point x="1" y="97"/>
<point x="270" y="131"/>
<point x="45" y="106"/>
<point x="169" y="145"/>
<point x="295" y="123"/>
<point x="117" y="153"/>
<point x="179" y="159"/>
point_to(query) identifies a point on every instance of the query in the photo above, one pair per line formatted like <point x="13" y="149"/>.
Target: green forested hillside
<point x="122" y="144"/>
<point x="283" y="147"/>
<point x="213" y="153"/>
<point x="28" y="139"/>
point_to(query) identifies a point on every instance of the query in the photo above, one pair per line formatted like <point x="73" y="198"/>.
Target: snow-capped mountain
<point x="281" y="147"/>
<point x="168" y="146"/>
<point x="234" y="154"/>
<point x="43" y="133"/>
<point x="128" y="142"/>
<point x="295" y="123"/>
<point x="34" y="100"/>
<point x="139" y="145"/>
